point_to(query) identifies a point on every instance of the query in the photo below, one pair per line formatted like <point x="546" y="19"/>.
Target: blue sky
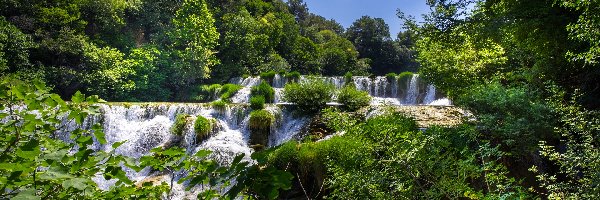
<point x="347" y="11"/>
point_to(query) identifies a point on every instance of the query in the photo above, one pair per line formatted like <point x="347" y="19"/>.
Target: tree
<point x="370" y="35"/>
<point x="194" y="40"/>
<point x="338" y="55"/>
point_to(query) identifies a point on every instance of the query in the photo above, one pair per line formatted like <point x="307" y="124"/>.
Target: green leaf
<point x="77" y="183"/>
<point x="78" y="97"/>
<point x="28" y="194"/>
<point x="99" y="134"/>
<point x="58" y="100"/>
<point x="118" y="144"/>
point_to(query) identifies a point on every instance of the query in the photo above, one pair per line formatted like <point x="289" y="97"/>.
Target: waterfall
<point x="430" y="95"/>
<point x="243" y="95"/>
<point x="413" y="91"/>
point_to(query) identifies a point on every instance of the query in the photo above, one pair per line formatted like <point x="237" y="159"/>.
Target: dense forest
<point x="526" y="72"/>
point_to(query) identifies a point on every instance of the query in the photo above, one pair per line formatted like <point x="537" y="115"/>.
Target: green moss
<point x="229" y="90"/>
<point x="219" y="105"/>
<point x="257" y="102"/>
<point x="180" y="121"/>
<point x="348" y="77"/>
<point x="245" y="76"/>
<point x="405" y="75"/>
<point x="260" y="126"/>
<point x="202" y="127"/>
<point x="268" y="76"/>
<point x="391" y="76"/>
<point x="265" y="90"/>
<point x="293" y="76"/>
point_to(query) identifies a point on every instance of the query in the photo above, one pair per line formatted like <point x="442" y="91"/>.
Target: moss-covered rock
<point x="260" y="127"/>
<point x="180" y="122"/>
<point x="203" y="127"/>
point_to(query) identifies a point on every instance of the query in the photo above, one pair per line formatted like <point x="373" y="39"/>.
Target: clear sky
<point x="347" y="11"/>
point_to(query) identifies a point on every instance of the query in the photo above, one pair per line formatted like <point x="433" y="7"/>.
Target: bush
<point x="514" y="116"/>
<point x="219" y="105"/>
<point x="260" y="126"/>
<point x="293" y="76"/>
<point x="265" y="90"/>
<point x="310" y="96"/>
<point x="229" y="90"/>
<point x="202" y="127"/>
<point x="180" y="122"/>
<point x="353" y="99"/>
<point x="257" y="102"/>
<point x="391" y="76"/>
<point x="268" y="76"/>
<point x="348" y="77"/>
<point x="405" y="75"/>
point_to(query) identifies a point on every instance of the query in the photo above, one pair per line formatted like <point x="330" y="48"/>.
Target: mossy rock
<point x="260" y="127"/>
<point x="203" y="127"/>
<point x="180" y="122"/>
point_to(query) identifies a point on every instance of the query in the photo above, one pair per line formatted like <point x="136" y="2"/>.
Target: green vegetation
<point x="181" y="121"/>
<point x="348" y="78"/>
<point x="265" y="90"/>
<point x="268" y="76"/>
<point x="212" y="92"/>
<point x="293" y="76"/>
<point x="229" y="90"/>
<point x="260" y="127"/>
<point x="391" y="76"/>
<point x="257" y="102"/>
<point x="353" y="99"/>
<point x="219" y="105"/>
<point x="310" y="96"/>
<point x="203" y="127"/>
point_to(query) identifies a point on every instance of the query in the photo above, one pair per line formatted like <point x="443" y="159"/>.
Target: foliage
<point x="219" y="104"/>
<point x="265" y="90"/>
<point x="260" y="127"/>
<point x="353" y="99"/>
<point x="579" y="162"/>
<point x="257" y="102"/>
<point x="260" y="119"/>
<point x="310" y="96"/>
<point x="268" y="76"/>
<point x="14" y="48"/>
<point x="338" y="55"/>
<point x="524" y="119"/>
<point x="294" y="76"/>
<point x="195" y="39"/>
<point x="229" y="90"/>
<point x="202" y="127"/>
<point x="179" y="126"/>
<point x="391" y="76"/>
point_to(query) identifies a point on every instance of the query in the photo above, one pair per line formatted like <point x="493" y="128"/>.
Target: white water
<point x="385" y="91"/>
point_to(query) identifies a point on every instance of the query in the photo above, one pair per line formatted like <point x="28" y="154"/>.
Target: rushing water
<point x="146" y="126"/>
<point x="383" y="90"/>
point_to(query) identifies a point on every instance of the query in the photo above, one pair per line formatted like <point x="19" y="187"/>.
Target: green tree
<point x="195" y="39"/>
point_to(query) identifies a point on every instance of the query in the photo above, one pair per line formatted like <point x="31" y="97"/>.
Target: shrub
<point x="265" y="90"/>
<point x="353" y="99"/>
<point x="260" y="126"/>
<point x="229" y="90"/>
<point x="219" y="105"/>
<point x="348" y="78"/>
<point x="391" y="76"/>
<point x="268" y="76"/>
<point x="180" y="121"/>
<point x="293" y="76"/>
<point x="405" y="75"/>
<point x="257" y="102"/>
<point x="310" y="96"/>
<point x="202" y="127"/>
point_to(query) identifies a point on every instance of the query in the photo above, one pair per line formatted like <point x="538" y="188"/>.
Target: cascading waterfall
<point x="383" y="90"/>
<point x="413" y="91"/>
<point x="146" y="126"/>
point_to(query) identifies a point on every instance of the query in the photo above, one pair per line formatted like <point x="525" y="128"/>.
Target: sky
<point x="346" y="12"/>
